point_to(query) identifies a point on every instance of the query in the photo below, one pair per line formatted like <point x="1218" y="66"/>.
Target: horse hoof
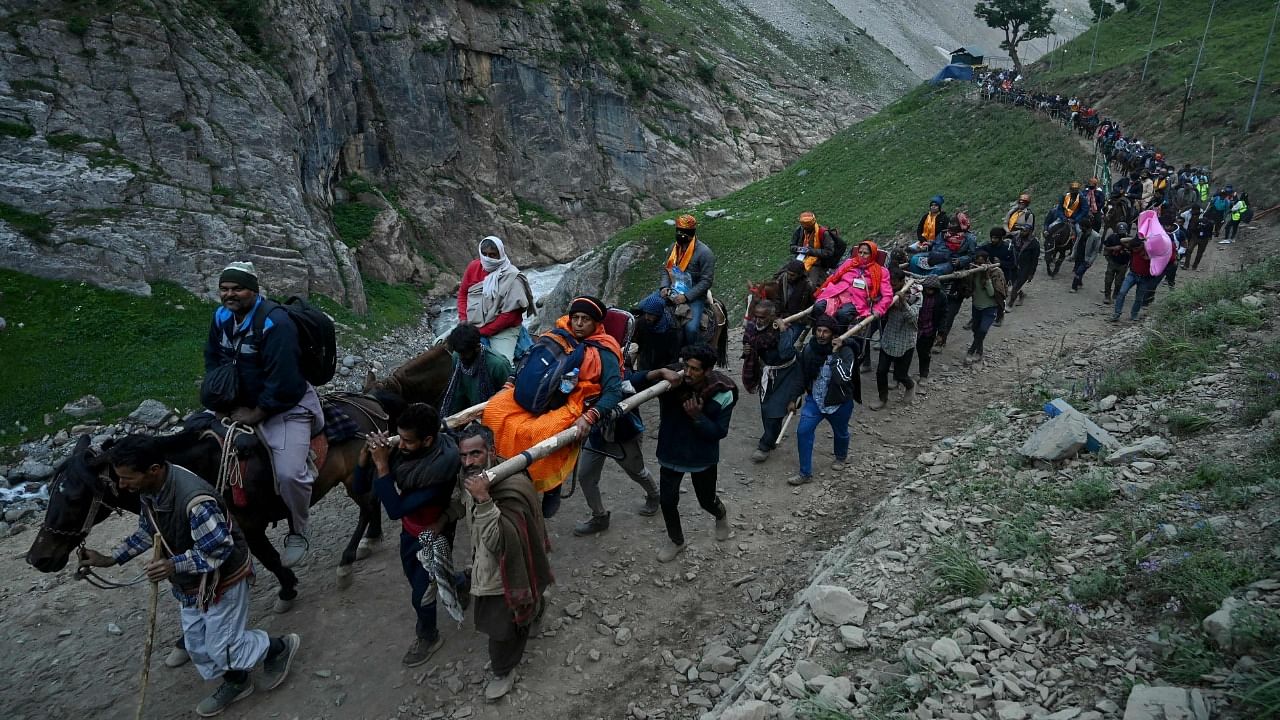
<point x="282" y="606"/>
<point x="364" y="549"/>
<point x="344" y="576"/>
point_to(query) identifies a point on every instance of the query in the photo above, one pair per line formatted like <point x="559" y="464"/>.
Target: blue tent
<point x="954" y="71"/>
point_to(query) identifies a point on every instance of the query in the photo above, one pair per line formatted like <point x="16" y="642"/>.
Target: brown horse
<point x="83" y="485"/>
<point x="423" y="378"/>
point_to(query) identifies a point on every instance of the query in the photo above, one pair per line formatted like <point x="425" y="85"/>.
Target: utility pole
<point x="1254" y="103"/>
<point x="1094" y="54"/>
<point x="1152" y="42"/>
<point x="1200" y="54"/>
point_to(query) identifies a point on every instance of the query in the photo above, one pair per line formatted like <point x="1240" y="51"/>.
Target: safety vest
<point x="1203" y="189"/>
<point x="1238" y="211"/>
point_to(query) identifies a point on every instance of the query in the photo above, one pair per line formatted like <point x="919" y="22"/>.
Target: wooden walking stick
<point x="158" y="554"/>
<point x="786" y="422"/>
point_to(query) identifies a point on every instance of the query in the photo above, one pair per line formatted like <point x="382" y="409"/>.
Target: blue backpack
<point x="1221" y="204"/>
<point x="552" y="356"/>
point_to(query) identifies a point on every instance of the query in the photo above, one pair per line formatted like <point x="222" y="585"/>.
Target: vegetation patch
<point x="957" y="570"/>
<point x="20" y="130"/>
<point x="33" y="226"/>
<point x="530" y="210"/>
<point x="353" y="222"/>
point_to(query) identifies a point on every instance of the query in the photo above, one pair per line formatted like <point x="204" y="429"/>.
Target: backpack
<point x="553" y="354"/>
<point x="1247" y="215"/>
<point x="1221" y="204"/>
<point x="838" y="249"/>
<point x="317" y="337"/>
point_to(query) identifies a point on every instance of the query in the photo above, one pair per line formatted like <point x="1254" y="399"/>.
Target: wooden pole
<point x="1152" y="42"/>
<point x="563" y="438"/>
<point x="1261" y="67"/>
<point x="866" y="322"/>
<point x="158" y="554"/>
<point x="462" y="417"/>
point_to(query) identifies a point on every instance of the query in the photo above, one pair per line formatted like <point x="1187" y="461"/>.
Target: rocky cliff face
<point x="153" y="141"/>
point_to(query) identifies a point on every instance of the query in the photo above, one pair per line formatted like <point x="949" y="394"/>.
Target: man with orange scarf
<point x="592" y="400"/>
<point x="688" y="274"/>
<point x="812" y="245"/>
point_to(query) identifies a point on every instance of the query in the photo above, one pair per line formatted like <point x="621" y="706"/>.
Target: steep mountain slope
<point x="144" y="140"/>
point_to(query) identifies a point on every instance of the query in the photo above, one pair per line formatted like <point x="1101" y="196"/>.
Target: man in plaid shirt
<point x="207" y="563"/>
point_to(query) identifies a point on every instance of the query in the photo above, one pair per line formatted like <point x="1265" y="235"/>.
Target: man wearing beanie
<point x="261" y="340"/>
<point x="589" y="396"/>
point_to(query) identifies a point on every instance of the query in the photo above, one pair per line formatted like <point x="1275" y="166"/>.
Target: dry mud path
<point x="68" y="650"/>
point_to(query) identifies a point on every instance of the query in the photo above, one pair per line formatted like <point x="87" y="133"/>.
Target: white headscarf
<point x="494" y="267"/>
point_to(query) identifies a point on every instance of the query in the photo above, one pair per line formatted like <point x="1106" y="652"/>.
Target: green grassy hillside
<point x="875" y="180"/>
<point x="1214" y="124"/>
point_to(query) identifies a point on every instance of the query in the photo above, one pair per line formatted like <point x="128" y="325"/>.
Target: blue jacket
<point x="267" y="365"/>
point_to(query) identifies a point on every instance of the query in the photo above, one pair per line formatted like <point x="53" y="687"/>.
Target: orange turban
<point x="686" y="222"/>
<point x="807" y="219"/>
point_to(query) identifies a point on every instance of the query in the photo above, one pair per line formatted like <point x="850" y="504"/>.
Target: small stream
<point x="541" y="280"/>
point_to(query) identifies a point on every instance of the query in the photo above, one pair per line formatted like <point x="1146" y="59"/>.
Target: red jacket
<point x="473" y="274"/>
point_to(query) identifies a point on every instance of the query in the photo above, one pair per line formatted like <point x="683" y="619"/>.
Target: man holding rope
<point x="207" y="562"/>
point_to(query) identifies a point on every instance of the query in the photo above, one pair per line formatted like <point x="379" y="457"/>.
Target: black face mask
<point x="684" y="238"/>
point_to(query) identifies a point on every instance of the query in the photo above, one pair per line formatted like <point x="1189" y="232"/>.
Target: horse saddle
<point x="348" y="415"/>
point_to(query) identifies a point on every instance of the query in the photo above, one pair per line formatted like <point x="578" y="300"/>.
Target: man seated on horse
<point x="813" y="245"/>
<point x="1073" y="209"/>
<point x="769" y="366"/>
<point x="260" y="340"/>
<point x="414" y="475"/>
<point x="478" y="371"/>
<point x="1020" y="220"/>
<point x="521" y="415"/>
<point x="688" y="275"/>
<point x="206" y="560"/>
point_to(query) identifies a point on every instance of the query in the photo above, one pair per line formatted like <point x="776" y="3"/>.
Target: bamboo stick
<point x="563" y="438"/>
<point x="158" y="554"/>
<point x="462" y="417"/>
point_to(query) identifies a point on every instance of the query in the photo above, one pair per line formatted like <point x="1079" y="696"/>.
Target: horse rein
<point x="99" y="501"/>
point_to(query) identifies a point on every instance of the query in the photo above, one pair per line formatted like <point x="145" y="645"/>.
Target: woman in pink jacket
<point x="861" y="282"/>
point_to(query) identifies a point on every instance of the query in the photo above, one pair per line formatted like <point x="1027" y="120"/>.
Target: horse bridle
<point x="99" y="501"/>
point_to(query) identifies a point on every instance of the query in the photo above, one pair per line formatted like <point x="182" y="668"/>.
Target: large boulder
<point x="835" y="605"/>
<point x="84" y="407"/>
<point x="151" y="413"/>
<point x="1060" y="438"/>
<point x="30" y="471"/>
<point x="1165" y="703"/>
<point x="748" y="710"/>
<point x="1152" y="446"/>
<point x="1220" y="625"/>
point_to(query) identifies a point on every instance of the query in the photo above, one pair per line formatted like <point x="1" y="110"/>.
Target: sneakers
<point x="1224" y="242"/>
<point x="876" y="404"/>
<point x="274" y="669"/>
<point x="591" y="526"/>
<point x="799" y="480"/>
<point x="1114" y="318"/>
<point x="722" y="524"/>
<point x="421" y="651"/>
<point x="839" y="465"/>
<point x="499" y="686"/>
<point x="651" y="506"/>
<point x="669" y="551"/>
<point x="224" y="696"/>
<point x="295" y="548"/>
<point x="969" y="358"/>
<point x="909" y="395"/>
<point x="759" y="456"/>
<point x="177" y="657"/>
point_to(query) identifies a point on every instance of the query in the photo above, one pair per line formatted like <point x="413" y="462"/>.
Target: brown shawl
<point x="526" y="572"/>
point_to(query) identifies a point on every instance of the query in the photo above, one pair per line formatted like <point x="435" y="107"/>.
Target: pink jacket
<point x="851" y="287"/>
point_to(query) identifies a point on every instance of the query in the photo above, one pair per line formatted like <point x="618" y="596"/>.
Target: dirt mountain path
<point x="71" y="651"/>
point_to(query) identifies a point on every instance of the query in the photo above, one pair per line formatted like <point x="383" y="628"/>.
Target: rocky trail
<point x="626" y="636"/>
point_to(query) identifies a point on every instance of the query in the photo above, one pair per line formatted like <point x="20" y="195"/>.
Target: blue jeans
<point x="1141" y="285"/>
<point x="694" y="326"/>
<point x="983" y="318"/>
<point x="810" y="418"/>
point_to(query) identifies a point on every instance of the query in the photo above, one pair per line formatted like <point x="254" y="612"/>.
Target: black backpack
<point x="838" y="249"/>
<point x="537" y="380"/>
<point x="317" y="337"/>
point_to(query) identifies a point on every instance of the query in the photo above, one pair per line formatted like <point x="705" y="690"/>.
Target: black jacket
<point x="845" y="384"/>
<point x="686" y="443"/>
<point x="941" y="227"/>
<point x="268" y="366"/>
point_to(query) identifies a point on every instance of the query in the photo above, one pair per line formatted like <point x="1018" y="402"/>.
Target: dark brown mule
<point x="81" y="484"/>
<point x="422" y="379"/>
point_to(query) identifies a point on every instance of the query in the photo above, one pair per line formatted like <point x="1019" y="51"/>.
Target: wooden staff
<point x="158" y="554"/>
<point x="566" y="437"/>
<point x="959" y="273"/>
<point x="462" y="417"/>
<point x="866" y="322"/>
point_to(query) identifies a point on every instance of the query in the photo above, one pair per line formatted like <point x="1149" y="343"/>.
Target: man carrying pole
<point x="769" y="367"/>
